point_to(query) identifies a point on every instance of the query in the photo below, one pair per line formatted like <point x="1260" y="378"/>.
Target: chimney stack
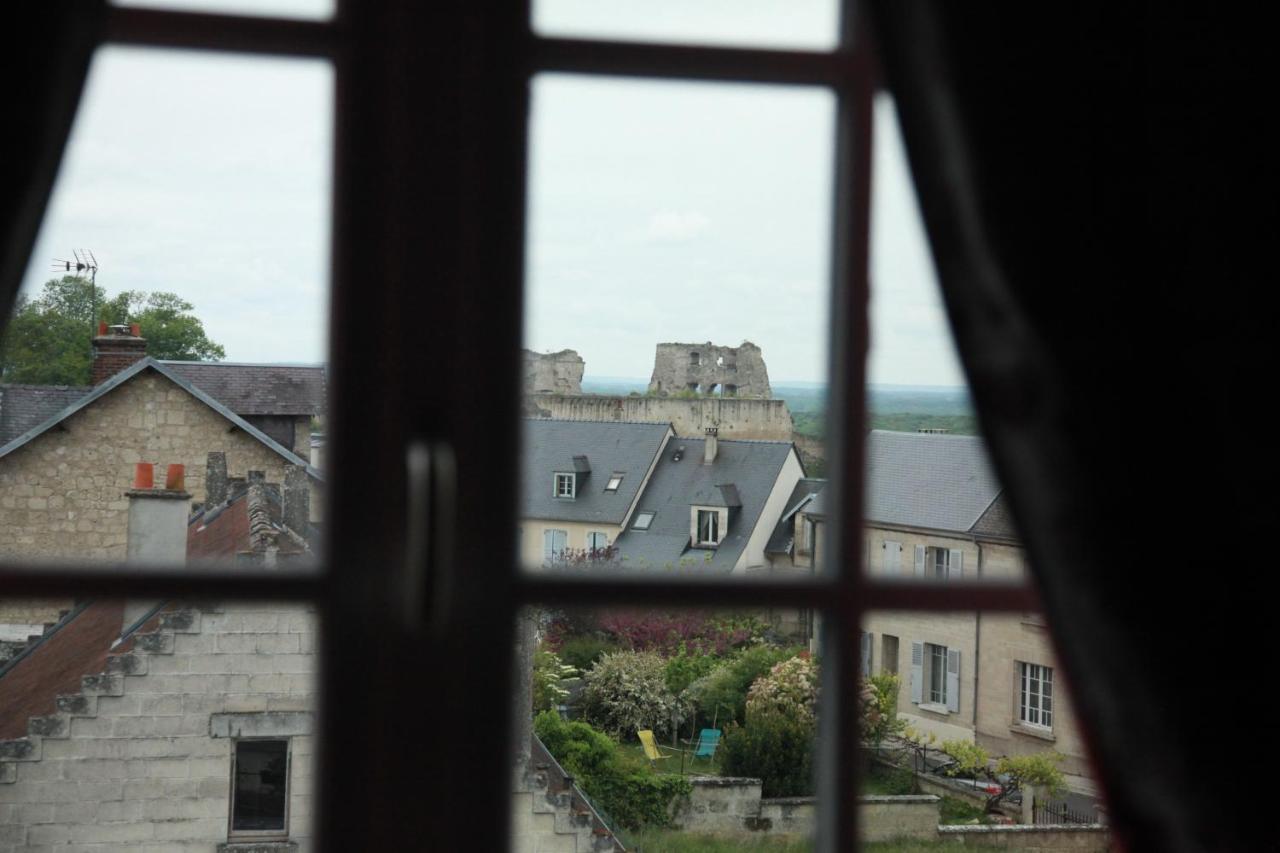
<point x="157" y="517"/>
<point x="215" y="479"/>
<point x="296" y="499"/>
<point x="711" y="445"/>
<point x="114" y="349"/>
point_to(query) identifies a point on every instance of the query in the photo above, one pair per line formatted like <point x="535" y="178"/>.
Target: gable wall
<point x="140" y="770"/>
<point x="62" y="494"/>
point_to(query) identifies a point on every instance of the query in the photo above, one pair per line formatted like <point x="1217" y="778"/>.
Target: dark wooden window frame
<point x="425" y="92"/>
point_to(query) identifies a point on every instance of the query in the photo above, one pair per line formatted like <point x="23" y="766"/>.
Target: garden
<point x="601" y="679"/>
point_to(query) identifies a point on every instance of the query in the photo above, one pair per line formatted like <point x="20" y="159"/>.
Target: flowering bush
<point x="790" y="690"/>
<point x="722" y="693"/>
<point x="627" y="691"/>
<point x="665" y="633"/>
<point x="548" y="672"/>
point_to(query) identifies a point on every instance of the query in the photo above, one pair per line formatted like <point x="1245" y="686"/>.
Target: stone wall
<point x="720" y="804"/>
<point x="553" y="373"/>
<point x="62" y="494"/>
<point x="735" y="418"/>
<point x="1041" y="839"/>
<point x="710" y="369"/>
<point x="141" y="758"/>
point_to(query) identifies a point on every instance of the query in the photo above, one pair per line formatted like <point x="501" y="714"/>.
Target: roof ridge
<point x="317" y="365"/>
<point x="528" y="418"/>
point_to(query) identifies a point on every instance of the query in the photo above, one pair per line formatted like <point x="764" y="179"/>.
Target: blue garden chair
<point x="705" y="747"/>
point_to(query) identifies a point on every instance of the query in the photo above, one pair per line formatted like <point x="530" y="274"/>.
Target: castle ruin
<point x="554" y="373"/>
<point x="710" y="370"/>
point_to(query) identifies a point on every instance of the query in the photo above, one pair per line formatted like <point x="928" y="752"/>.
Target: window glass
<point x="162" y="375"/>
<point x="667" y="729"/>
<point x="176" y="722"/>
<point x="676" y="323"/>
<point x="955" y="685"/>
<point x="797" y="24"/>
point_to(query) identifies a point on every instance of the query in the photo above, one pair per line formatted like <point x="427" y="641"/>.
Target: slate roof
<point x="164" y="369"/>
<point x="935" y="481"/>
<point x="258" y="389"/>
<point x="552" y="446"/>
<point x="997" y="521"/>
<point x="25" y="406"/>
<point x="802" y="497"/>
<point x="750" y="467"/>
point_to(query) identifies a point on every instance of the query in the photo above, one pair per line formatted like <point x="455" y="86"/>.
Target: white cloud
<point x="674" y="226"/>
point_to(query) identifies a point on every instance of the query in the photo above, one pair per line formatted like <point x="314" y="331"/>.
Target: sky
<point x="658" y="211"/>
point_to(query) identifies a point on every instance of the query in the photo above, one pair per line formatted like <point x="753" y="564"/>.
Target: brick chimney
<point x="114" y="349"/>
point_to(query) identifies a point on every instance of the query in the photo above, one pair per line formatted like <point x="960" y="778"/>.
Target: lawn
<point x="632" y="755"/>
<point x="690" y="842"/>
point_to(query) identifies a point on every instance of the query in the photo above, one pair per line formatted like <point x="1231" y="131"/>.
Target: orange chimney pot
<point x="143" y="475"/>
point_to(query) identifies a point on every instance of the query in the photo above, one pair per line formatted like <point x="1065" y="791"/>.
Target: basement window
<point x="260" y="790"/>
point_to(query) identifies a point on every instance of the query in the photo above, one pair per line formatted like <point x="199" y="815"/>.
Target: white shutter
<point x="548" y="545"/>
<point x="892" y="558"/>
<point x="953" y="681"/>
<point x="919" y="561"/>
<point x="955" y="564"/>
<point x="866" y="653"/>
<point x="917" y="672"/>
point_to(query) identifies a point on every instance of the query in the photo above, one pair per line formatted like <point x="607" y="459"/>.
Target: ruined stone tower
<point x="711" y="370"/>
<point x="554" y="373"/>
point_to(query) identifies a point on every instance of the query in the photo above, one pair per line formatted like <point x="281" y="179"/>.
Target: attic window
<point x="643" y="520"/>
<point x="566" y="486"/>
<point x="615" y="480"/>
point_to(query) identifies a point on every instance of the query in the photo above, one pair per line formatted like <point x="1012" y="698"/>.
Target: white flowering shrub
<point x="627" y="691"/>
<point x="790" y="690"/>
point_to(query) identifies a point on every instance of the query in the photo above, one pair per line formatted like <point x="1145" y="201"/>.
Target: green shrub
<point x="789" y="690"/>
<point x="725" y="687"/>
<point x="626" y="692"/>
<point x="633" y="799"/>
<point x="582" y="652"/>
<point x="774" y="749"/>
<point x="685" y="667"/>
<point x="548" y="672"/>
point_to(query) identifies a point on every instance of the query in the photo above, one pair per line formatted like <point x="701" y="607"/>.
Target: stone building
<point x="63" y="481"/>
<point x="935" y="513"/>
<point x="553" y="373"/>
<point x="708" y="369"/>
<point x="166" y="725"/>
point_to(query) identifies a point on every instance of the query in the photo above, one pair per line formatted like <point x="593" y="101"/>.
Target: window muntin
<point x="260" y="788"/>
<point x="936" y="667"/>
<point x="708" y="527"/>
<point x="1035" y="702"/>
<point x="566" y="486"/>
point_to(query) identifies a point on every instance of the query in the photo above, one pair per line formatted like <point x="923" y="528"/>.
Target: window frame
<point x="242" y="836"/>
<point x="434" y="587"/>
<point x="564" y="477"/>
<point x="1023" y="692"/>
<point x="717" y="534"/>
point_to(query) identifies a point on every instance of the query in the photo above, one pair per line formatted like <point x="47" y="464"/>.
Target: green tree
<point x="47" y="339"/>
<point x="1009" y="774"/>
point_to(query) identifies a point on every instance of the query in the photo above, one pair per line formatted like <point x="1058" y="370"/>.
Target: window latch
<point x="427" y="580"/>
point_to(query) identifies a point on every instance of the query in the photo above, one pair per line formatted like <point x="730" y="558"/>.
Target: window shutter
<point x="953" y="681"/>
<point x="892" y="558"/>
<point x="866" y="653"/>
<point x="955" y="563"/>
<point x="917" y="672"/>
<point x="920" y="561"/>
<point x="548" y="545"/>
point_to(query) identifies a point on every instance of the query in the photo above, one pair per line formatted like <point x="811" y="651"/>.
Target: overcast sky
<point x="658" y="211"/>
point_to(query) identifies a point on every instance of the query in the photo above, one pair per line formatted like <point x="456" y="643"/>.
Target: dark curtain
<point x="1092" y="181"/>
<point x="46" y="48"/>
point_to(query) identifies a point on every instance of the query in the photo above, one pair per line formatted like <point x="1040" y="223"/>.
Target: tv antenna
<point x="84" y="262"/>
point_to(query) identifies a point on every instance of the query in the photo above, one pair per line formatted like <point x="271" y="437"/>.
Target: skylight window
<point x="643" y="520"/>
<point x="615" y="480"/>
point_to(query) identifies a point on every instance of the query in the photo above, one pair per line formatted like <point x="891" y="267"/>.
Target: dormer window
<point x="709" y="526"/>
<point x="615" y="480"/>
<point x="566" y="486"/>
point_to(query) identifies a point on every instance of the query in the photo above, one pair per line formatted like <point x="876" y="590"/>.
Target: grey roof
<point x="258" y="389"/>
<point x="997" y="521"/>
<point x="940" y="482"/>
<point x="550" y="446"/>
<point x="164" y="370"/>
<point x="23" y="407"/>
<point x="802" y="497"/>
<point x="751" y="467"/>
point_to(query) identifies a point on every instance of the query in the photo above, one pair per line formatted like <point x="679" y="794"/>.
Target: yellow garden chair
<point x="652" y="750"/>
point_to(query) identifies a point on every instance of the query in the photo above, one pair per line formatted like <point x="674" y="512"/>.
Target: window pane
<point x="805" y="24"/>
<point x="271" y="8"/>
<point x="676" y="322"/>
<point x="157" y="723"/>
<point x="992" y="677"/>
<point x="934" y="508"/>
<point x="677" y="728"/>
<point x="162" y="376"/>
